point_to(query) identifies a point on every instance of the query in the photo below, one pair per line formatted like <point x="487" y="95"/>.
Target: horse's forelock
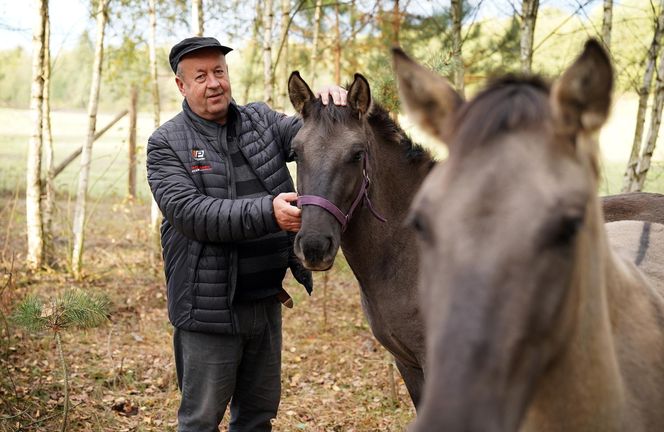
<point x="507" y="104"/>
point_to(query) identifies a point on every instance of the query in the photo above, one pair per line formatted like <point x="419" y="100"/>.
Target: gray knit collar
<point x="207" y="127"/>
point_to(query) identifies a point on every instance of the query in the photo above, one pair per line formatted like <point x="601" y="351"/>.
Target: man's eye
<point x="200" y="78"/>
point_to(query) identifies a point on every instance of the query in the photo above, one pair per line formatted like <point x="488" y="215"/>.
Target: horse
<point x="356" y="158"/>
<point x="539" y="316"/>
<point x="644" y="206"/>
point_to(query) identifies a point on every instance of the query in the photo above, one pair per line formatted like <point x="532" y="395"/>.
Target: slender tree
<point x="86" y="155"/>
<point x="607" y="24"/>
<point x="155" y="213"/>
<point x="653" y="132"/>
<point x="268" y="77"/>
<point x="48" y="184"/>
<point x="528" y="17"/>
<point x="34" y="220"/>
<point x="337" y="45"/>
<point x="630" y="176"/>
<point x="457" y="42"/>
<point x="197" y="21"/>
<point x="313" y="63"/>
<point x="283" y="54"/>
<point x="131" y="142"/>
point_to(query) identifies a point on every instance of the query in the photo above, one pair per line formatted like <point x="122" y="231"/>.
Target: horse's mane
<point x="507" y="103"/>
<point x="379" y="120"/>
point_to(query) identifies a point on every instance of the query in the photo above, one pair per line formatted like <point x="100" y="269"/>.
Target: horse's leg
<point x="414" y="379"/>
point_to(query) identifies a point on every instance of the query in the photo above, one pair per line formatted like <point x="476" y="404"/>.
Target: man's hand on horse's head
<point x="338" y="94"/>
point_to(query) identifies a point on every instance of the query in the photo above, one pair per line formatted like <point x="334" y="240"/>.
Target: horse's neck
<point x="374" y="248"/>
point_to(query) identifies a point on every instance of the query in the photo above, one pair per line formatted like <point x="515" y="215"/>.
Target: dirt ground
<point x="335" y="376"/>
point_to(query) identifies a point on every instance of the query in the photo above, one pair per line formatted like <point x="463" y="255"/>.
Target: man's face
<point x="204" y="82"/>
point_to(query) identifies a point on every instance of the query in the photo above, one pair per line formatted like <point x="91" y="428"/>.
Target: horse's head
<point x="503" y="224"/>
<point x="330" y="150"/>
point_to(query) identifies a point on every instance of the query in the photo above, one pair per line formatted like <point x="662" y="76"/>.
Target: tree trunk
<point x="528" y="18"/>
<point x="607" y="23"/>
<point x="651" y="139"/>
<point x="457" y="42"/>
<point x="268" y="77"/>
<point x="197" y="22"/>
<point x="313" y="64"/>
<point x="396" y="22"/>
<point x="34" y="221"/>
<point x="283" y="55"/>
<point x="337" y="45"/>
<point x="86" y="156"/>
<point x="629" y="178"/>
<point x="131" y="141"/>
<point x="48" y="191"/>
<point x="155" y="213"/>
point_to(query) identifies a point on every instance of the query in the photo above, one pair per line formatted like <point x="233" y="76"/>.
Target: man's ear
<point x="299" y="92"/>
<point x="428" y="98"/>
<point x="359" y="95"/>
<point x="180" y="84"/>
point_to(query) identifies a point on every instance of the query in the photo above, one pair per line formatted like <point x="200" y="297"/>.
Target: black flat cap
<point x="192" y="44"/>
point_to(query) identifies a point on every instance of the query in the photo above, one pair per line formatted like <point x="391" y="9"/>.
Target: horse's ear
<point x="299" y="92"/>
<point x="429" y="99"/>
<point x="359" y="95"/>
<point x="581" y="97"/>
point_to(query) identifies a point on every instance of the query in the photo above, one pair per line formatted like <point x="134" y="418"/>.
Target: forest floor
<point x="335" y="376"/>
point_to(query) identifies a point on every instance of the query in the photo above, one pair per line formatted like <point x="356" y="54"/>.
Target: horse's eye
<point x="292" y="155"/>
<point x="563" y="230"/>
<point x="357" y="157"/>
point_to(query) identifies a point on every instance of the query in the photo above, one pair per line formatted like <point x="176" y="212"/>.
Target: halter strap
<point x="340" y="216"/>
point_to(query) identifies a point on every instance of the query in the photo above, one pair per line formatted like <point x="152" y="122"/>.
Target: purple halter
<point x="362" y="196"/>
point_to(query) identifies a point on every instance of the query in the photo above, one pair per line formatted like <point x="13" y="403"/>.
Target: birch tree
<point x="131" y="143"/>
<point x="607" y="24"/>
<point x="528" y="18"/>
<point x="155" y="213"/>
<point x="337" y="45"/>
<point x="313" y="62"/>
<point x="34" y="221"/>
<point x="457" y="41"/>
<point x="197" y="22"/>
<point x="283" y="52"/>
<point x="629" y="178"/>
<point x="268" y="77"/>
<point x="643" y="166"/>
<point x="86" y="155"/>
<point x="48" y="186"/>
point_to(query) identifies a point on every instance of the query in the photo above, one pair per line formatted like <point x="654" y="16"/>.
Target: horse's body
<point x="540" y="317"/>
<point x="331" y="148"/>
<point x="643" y="206"/>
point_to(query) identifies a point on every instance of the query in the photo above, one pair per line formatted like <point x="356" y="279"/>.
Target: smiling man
<point x="218" y="172"/>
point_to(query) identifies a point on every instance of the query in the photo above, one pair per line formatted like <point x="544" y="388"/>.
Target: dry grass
<point x="335" y="375"/>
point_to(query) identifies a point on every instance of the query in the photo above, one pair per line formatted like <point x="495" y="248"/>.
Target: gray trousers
<point x="244" y="369"/>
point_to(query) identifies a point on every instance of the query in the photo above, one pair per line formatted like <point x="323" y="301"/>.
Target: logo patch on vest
<point x="200" y="168"/>
<point x="197" y="154"/>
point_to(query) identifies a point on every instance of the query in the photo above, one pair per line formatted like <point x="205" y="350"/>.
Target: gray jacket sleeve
<point x="199" y="216"/>
<point x="285" y="128"/>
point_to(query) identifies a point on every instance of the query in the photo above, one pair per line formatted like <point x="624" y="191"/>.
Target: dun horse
<point x="539" y="316"/>
<point x="357" y="173"/>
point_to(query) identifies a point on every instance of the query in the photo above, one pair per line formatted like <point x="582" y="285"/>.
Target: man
<point x="218" y="172"/>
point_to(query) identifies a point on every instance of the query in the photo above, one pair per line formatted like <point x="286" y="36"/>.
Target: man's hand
<point x="338" y="94"/>
<point x="287" y="216"/>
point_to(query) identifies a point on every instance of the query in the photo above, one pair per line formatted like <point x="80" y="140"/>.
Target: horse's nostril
<point x="316" y="248"/>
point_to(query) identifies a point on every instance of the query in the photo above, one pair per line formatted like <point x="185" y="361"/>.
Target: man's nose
<point x="213" y="82"/>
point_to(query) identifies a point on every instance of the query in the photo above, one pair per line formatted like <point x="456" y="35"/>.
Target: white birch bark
<point x="155" y="213"/>
<point x="607" y="24"/>
<point x="644" y="94"/>
<point x="653" y="132"/>
<point x="86" y="155"/>
<point x="314" y="46"/>
<point x="268" y="78"/>
<point x="34" y="221"/>
<point x="283" y="57"/>
<point x="528" y="19"/>
<point x="48" y="190"/>
<point x="197" y="22"/>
